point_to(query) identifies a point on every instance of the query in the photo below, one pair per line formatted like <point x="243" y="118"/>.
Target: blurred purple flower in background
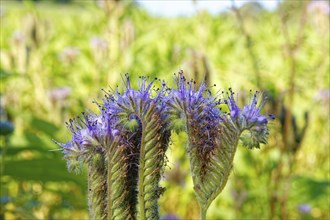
<point x="323" y="96"/>
<point x="69" y="54"/>
<point x="169" y="217"/>
<point x="99" y="46"/>
<point x="304" y="208"/>
<point x="319" y="7"/>
<point x="59" y="94"/>
<point x="18" y="37"/>
<point x="99" y="43"/>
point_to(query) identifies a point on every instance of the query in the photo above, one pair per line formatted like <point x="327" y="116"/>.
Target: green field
<point x="56" y="58"/>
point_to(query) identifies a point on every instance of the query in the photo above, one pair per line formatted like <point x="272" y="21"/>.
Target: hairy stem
<point x="90" y="192"/>
<point x="98" y="189"/>
<point x="110" y="165"/>
<point x="141" y="177"/>
<point x="210" y="175"/>
<point x="225" y="177"/>
<point x="118" y="201"/>
<point x="203" y="211"/>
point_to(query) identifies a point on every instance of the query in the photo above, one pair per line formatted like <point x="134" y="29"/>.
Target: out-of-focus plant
<point x="6" y="129"/>
<point x="124" y="147"/>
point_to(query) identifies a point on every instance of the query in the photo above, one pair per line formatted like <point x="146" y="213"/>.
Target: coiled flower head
<point x="252" y="124"/>
<point x="213" y="134"/>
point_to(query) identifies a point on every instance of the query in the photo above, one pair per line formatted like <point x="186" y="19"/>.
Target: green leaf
<point x="40" y="169"/>
<point x="44" y="126"/>
<point x="14" y="150"/>
<point x="310" y="189"/>
<point x="5" y="74"/>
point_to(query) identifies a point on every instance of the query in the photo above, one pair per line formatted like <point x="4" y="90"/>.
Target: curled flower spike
<point x="146" y="110"/>
<point x="214" y="135"/>
<point x="250" y="121"/>
<point x="88" y="147"/>
<point x="124" y="149"/>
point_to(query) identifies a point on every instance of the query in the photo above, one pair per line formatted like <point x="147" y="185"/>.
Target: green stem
<point x="141" y="178"/>
<point x="90" y="192"/>
<point x="109" y="187"/>
<point x="203" y="211"/>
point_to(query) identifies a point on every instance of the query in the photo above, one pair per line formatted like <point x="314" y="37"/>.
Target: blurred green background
<point x="57" y="55"/>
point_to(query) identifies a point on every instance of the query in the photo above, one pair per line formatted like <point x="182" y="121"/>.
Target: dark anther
<point x="271" y="116"/>
<point x="214" y="84"/>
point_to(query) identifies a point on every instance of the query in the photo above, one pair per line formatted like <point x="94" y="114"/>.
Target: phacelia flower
<point x="213" y="134"/>
<point x="130" y="135"/>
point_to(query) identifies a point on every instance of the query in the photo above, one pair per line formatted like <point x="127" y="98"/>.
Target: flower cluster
<point x="131" y="134"/>
<point x="205" y="116"/>
<point x="213" y="133"/>
<point x="124" y="146"/>
<point x="199" y="108"/>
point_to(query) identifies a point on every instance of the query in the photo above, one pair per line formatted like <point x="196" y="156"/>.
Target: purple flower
<point x="93" y="133"/>
<point x="251" y="112"/>
<point x="18" y="37"/>
<point x="319" y="7"/>
<point x="170" y="217"/>
<point x="200" y="111"/>
<point x="135" y="101"/>
<point x="229" y="100"/>
<point x="90" y="135"/>
<point x="59" y="94"/>
<point x="304" y="208"/>
<point x="99" y="43"/>
<point x="205" y="118"/>
<point x="69" y="54"/>
<point x="323" y="96"/>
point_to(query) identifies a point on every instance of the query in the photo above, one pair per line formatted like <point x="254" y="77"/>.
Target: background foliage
<point x="55" y="58"/>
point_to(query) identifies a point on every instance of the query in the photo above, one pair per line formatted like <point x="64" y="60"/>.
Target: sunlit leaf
<point x="43" y="170"/>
